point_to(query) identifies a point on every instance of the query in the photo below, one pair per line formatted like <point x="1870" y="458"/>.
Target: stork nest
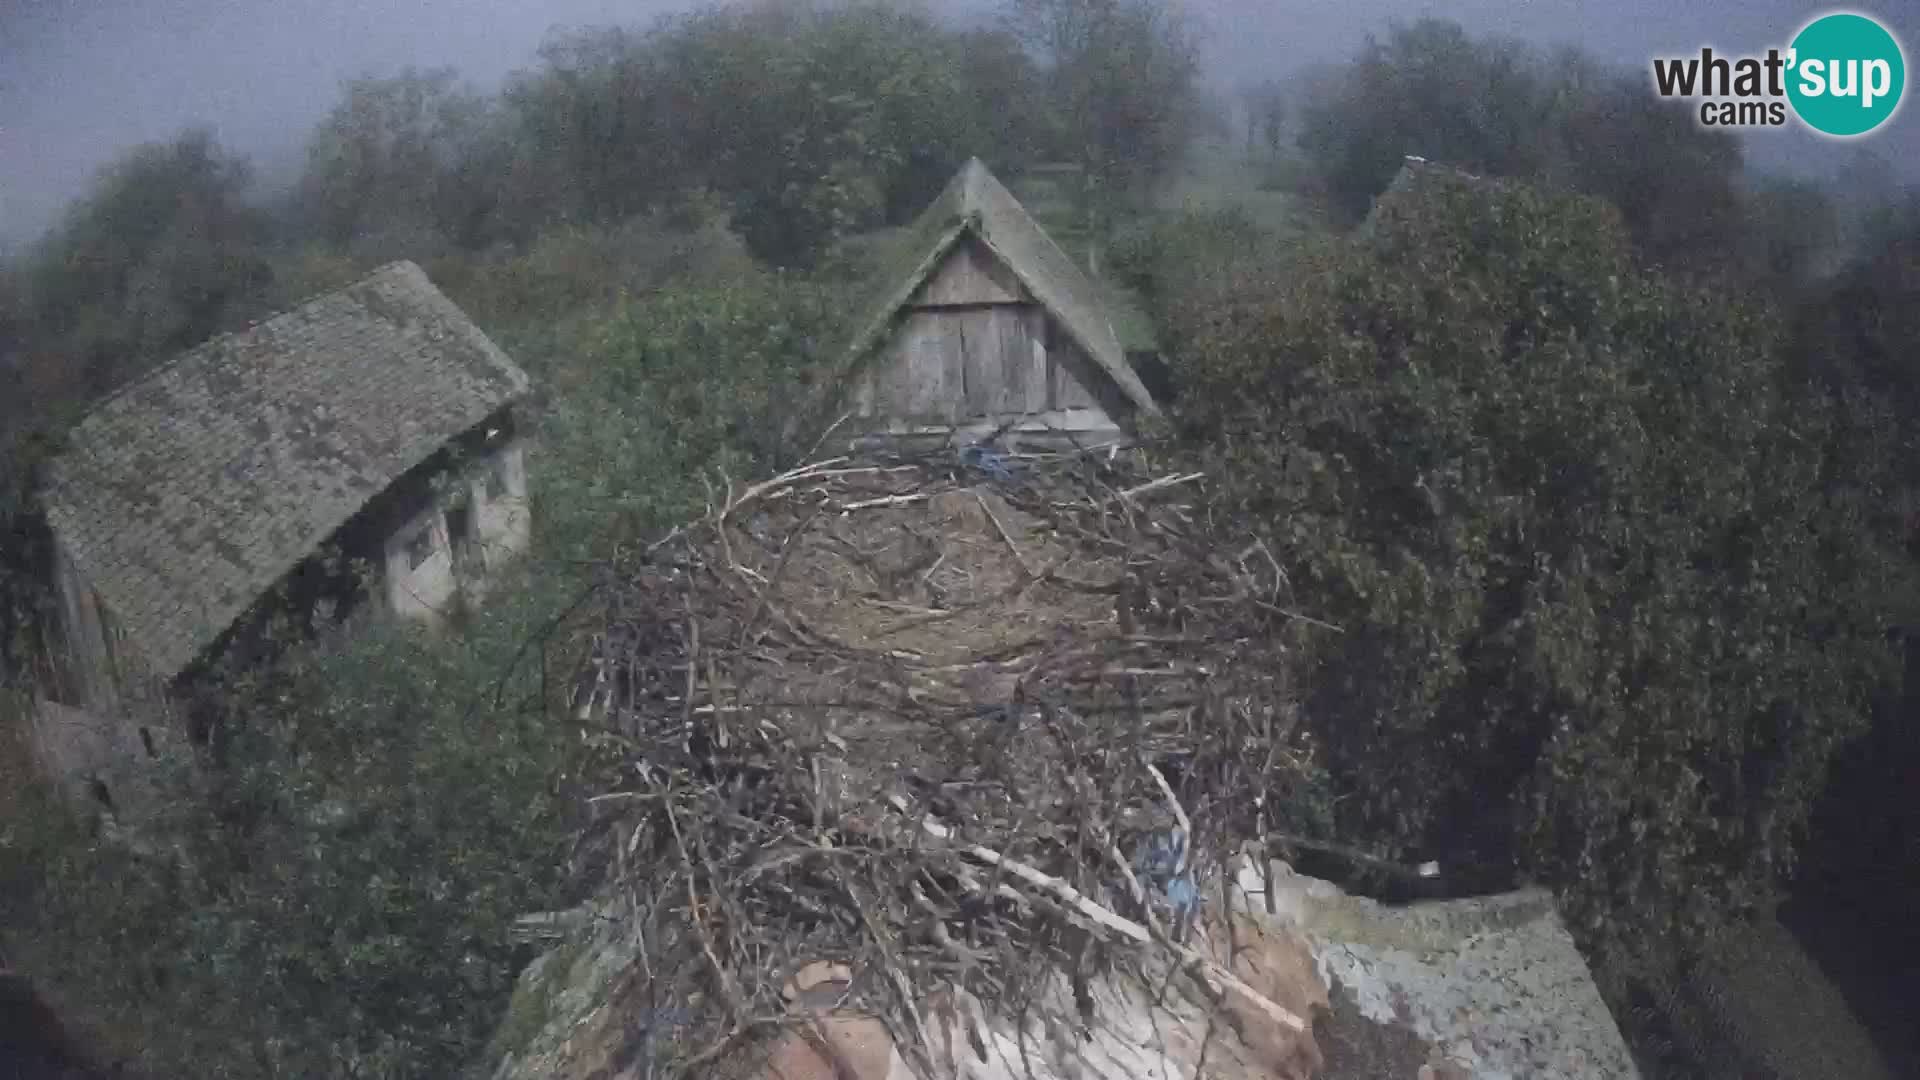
<point x="921" y="720"/>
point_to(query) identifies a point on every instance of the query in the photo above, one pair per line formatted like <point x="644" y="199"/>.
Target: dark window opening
<point x="420" y="547"/>
<point x="459" y="525"/>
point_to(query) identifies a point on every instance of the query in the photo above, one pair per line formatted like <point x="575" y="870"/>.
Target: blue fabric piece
<point x="984" y="459"/>
<point x="1155" y="865"/>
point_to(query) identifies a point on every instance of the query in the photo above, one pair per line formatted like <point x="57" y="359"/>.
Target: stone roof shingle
<point x="188" y="494"/>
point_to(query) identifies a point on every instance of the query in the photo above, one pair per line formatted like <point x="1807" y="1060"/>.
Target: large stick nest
<point x="921" y="719"/>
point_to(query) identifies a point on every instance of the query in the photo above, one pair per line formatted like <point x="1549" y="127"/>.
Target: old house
<point x="361" y="446"/>
<point x="976" y="321"/>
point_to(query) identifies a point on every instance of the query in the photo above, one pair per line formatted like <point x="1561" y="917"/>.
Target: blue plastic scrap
<point x="987" y="461"/>
<point x="1159" y="869"/>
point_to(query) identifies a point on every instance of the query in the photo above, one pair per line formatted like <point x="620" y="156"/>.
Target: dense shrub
<point x="675" y="388"/>
<point x="338" y="904"/>
<point x="1608" y="606"/>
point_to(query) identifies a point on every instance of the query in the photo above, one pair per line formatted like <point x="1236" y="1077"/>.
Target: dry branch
<point x="869" y="715"/>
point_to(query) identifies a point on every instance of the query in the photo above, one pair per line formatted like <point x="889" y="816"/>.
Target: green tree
<point x="1674" y="182"/>
<point x="1264" y="105"/>
<point x="1122" y="80"/>
<point x="1609" y="602"/>
<point x="1858" y="334"/>
<point x="593" y="134"/>
<point x="338" y="895"/>
<point x="152" y="260"/>
<point x="1431" y="90"/>
<point x="1004" y="102"/>
<point x="1496" y="107"/>
<point x="393" y="160"/>
<point x="1795" y="232"/>
<point x="845" y="118"/>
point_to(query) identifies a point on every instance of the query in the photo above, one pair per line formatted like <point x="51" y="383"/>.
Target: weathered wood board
<point x="970" y="275"/>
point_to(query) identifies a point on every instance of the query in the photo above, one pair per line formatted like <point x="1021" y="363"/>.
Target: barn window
<point x="420" y="547"/>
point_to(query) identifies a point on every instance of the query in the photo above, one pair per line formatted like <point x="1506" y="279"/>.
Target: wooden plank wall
<point x="973" y="344"/>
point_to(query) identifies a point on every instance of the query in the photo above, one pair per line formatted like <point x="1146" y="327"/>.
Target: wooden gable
<point x="971" y="275"/>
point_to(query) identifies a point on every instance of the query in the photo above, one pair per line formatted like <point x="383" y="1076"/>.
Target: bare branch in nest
<point x="1179" y="815"/>
<point x="1160" y="484"/>
<point x="1004" y="534"/>
<point x="915" y="736"/>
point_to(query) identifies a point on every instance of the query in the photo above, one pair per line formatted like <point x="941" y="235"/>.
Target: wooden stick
<point x="1179" y="815"/>
<point x="804" y="472"/>
<point x="1156" y="485"/>
<point x="889" y="500"/>
<point x="1278" y="610"/>
<point x="1018" y="555"/>
<point x="1204" y="966"/>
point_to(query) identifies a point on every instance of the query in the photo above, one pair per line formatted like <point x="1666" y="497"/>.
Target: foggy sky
<point x="82" y="80"/>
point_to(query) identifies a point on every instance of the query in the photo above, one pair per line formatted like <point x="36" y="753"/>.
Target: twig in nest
<point x="887" y="500"/>
<point x="1278" y="610"/>
<point x="1133" y="886"/>
<point x="1156" y="485"/>
<point x="898" y="977"/>
<point x="1209" y="969"/>
<point x="1179" y="815"/>
<point x="791" y="476"/>
<point x="693" y="660"/>
<point x="825" y="435"/>
<point x="721" y="975"/>
<point x="1018" y="555"/>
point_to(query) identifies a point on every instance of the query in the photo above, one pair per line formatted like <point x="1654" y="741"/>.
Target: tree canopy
<point x="1503" y="108"/>
<point x="1608" y="607"/>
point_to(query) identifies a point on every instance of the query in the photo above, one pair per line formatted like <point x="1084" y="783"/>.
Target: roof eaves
<point x="896" y="298"/>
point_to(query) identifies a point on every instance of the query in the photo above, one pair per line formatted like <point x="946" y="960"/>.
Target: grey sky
<point x="81" y="80"/>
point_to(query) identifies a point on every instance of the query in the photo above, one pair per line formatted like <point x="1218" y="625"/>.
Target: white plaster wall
<point x="502" y="526"/>
<point x="427" y="591"/>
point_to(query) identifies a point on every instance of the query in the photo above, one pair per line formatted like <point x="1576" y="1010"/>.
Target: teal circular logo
<point x="1845" y="74"/>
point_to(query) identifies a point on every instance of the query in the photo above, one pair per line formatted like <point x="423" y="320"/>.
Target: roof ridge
<point x="179" y="356"/>
<point x="1048" y="237"/>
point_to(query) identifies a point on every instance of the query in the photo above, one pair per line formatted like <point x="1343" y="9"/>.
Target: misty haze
<point x="1103" y="537"/>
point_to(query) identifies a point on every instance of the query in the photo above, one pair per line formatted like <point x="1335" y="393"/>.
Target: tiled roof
<point x="191" y="492"/>
<point x="974" y="201"/>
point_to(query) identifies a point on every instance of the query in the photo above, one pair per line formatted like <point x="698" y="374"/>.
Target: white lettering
<point x="1843" y="87"/>
<point x="1878" y="80"/>
<point x="1813" y="77"/>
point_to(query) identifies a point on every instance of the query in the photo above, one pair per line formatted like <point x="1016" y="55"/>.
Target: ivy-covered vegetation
<point x="1609" y="600"/>
<point x="1600" y="465"/>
